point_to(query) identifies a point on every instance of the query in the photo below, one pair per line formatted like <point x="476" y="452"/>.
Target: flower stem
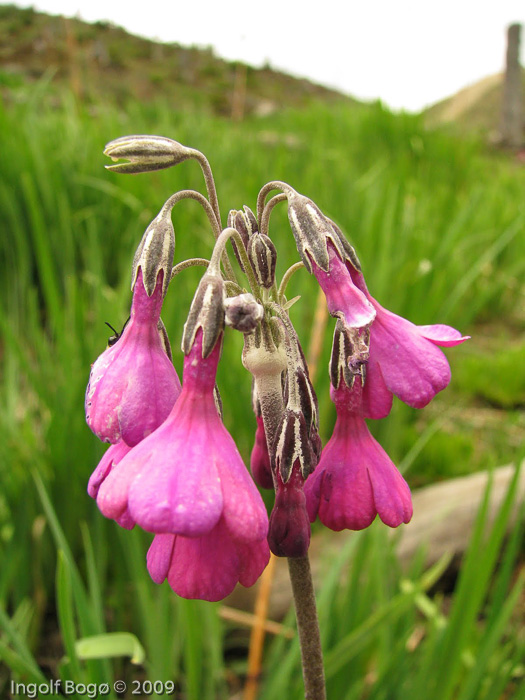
<point x="308" y="628"/>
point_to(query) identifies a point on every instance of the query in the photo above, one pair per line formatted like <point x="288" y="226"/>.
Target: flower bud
<point x="263" y="258"/>
<point x="245" y="223"/>
<point x="311" y="230"/>
<point x="243" y="313"/>
<point x="206" y="312"/>
<point x="289" y="531"/>
<point x="146" y="153"/>
<point x="155" y="253"/>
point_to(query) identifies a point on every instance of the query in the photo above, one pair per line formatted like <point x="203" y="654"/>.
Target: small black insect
<point x="114" y="338"/>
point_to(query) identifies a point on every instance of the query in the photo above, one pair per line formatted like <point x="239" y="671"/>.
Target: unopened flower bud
<point x="245" y="223"/>
<point x="263" y="258"/>
<point x="146" y="153"/>
<point x="206" y="312"/>
<point x="155" y="252"/>
<point x="243" y="312"/>
<point x="289" y="531"/>
<point x="311" y="230"/>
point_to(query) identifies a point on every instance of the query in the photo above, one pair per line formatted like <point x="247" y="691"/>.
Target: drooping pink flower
<point x="289" y="532"/>
<point x="109" y="461"/>
<point x="207" y="567"/>
<point x="355" y="479"/>
<point x="344" y="299"/>
<point x="404" y="359"/>
<point x="133" y="384"/>
<point x="188" y="476"/>
<point x="260" y="459"/>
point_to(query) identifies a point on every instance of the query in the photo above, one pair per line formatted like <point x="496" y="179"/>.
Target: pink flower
<point x="289" y="533"/>
<point x="344" y="299"/>
<point x="133" y="384"/>
<point x="404" y="359"/>
<point x="355" y="479"/>
<point x="188" y="479"/>
<point x="260" y="459"/>
<point x="109" y="461"/>
<point x="207" y="567"/>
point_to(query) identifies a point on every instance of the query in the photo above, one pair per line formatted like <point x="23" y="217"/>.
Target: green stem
<point x="218" y="253"/>
<point x="198" y="197"/>
<point x="286" y="278"/>
<point x="308" y="628"/>
<point x="192" y="262"/>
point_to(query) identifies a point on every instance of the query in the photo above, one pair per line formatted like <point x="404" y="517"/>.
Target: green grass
<point x="438" y="225"/>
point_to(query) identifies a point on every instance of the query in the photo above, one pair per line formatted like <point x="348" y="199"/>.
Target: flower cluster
<point x="173" y="468"/>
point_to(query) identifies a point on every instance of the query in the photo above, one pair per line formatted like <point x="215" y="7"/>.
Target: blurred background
<point x="403" y="126"/>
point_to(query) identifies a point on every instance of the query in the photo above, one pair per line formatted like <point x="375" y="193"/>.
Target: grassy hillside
<point x="102" y="61"/>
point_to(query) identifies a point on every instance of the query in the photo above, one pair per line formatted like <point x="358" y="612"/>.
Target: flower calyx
<point x="312" y="230"/>
<point x="350" y="353"/>
<point x="155" y="252"/>
<point x="206" y="312"/>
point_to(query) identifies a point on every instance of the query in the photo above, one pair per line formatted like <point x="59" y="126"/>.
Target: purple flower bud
<point x="245" y="223"/>
<point x="289" y="531"/>
<point x="133" y="384"/>
<point x="263" y="258"/>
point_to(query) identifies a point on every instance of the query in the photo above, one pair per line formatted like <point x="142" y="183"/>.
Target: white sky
<point x="408" y="53"/>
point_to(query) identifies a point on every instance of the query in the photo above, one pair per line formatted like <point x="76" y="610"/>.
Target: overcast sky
<point x="408" y="53"/>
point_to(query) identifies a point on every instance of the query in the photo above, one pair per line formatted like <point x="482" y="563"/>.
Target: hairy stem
<point x="308" y="628"/>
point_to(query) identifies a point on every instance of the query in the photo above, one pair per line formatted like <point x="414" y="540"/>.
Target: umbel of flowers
<point x="173" y="469"/>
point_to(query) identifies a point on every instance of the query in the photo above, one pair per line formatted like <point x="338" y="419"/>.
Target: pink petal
<point x="377" y="399"/>
<point x="178" y="490"/>
<point x="205" y="567"/>
<point x="254" y="558"/>
<point x="412" y="367"/>
<point x="244" y="511"/>
<point x="446" y="336"/>
<point x="112" y="456"/>
<point x="159" y="556"/>
<point x="342" y="296"/>
<point x="391" y="492"/>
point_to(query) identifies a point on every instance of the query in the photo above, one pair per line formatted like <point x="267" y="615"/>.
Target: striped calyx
<point x="263" y="258"/>
<point x="155" y="253"/>
<point x="206" y="312"/>
<point x="312" y="230"/>
<point x="350" y="353"/>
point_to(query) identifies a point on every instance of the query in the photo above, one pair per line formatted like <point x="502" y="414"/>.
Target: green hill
<point x="102" y="61"/>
